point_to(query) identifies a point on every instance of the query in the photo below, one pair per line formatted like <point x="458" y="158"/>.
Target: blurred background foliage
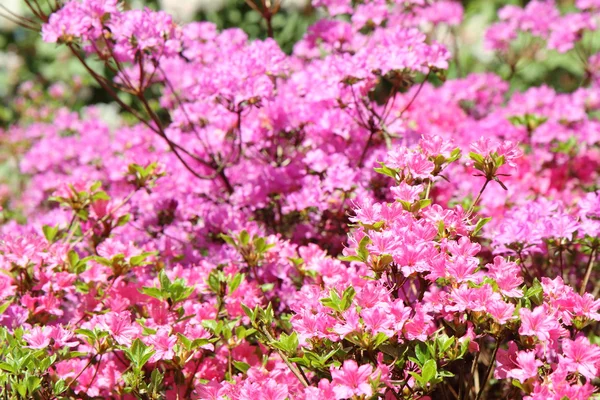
<point x="24" y="57"/>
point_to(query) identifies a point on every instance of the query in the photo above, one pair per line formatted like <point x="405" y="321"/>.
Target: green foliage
<point x="24" y="372"/>
<point x="173" y="292"/>
<point x="288" y="25"/>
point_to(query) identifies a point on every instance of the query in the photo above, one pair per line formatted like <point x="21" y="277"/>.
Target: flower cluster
<point x="341" y="222"/>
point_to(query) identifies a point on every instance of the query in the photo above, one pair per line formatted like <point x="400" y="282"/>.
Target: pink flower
<point x="581" y="356"/>
<point x="500" y="310"/>
<point x="350" y="323"/>
<point x="420" y="166"/>
<point x="119" y="326"/>
<point x="507" y="275"/>
<point x="6" y="286"/>
<point x="38" y="337"/>
<point x="63" y="337"/>
<point x="268" y="389"/>
<point x="163" y="344"/>
<point x="378" y="320"/>
<point x="351" y="380"/>
<point x="539" y="323"/>
<point x="526" y="366"/>
<point x="407" y="192"/>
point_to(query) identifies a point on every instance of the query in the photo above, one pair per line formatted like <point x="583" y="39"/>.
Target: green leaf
<point x="123" y="219"/>
<point x="235" y="282"/>
<point x="165" y="282"/>
<point x="260" y="245"/>
<point x="518" y="384"/>
<point x="87" y="333"/>
<point x="350" y="258"/>
<point x="8" y="367"/>
<point x="362" y="251"/>
<point x="429" y="371"/>
<point x="244" y="238"/>
<point x="444" y="342"/>
<point x="139" y="353"/>
<point x="21" y="388"/>
<point x="347" y="298"/>
<point x="4" y="306"/>
<point x="33" y="383"/>
<point x="333" y="301"/>
<point x="267" y="287"/>
<point x="73" y="258"/>
<point x="517" y="120"/>
<point x="441" y="228"/>
<point x="455" y="155"/>
<point x="241" y="366"/>
<point x="214" y="283"/>
<point x="464" y="347"/>
<point x="480" y="224"/>
<point x="241" y="332"/>
<point x="101" y="195"/>
<point x="287" y="343"/>
<point x="95" y="186"/>
<point x="422" y="353"/>
<point x="384" y="170"/>
<point x="228" y="239"/>
<point x="379" y="339"/>
<point x="140" y="259"/>
<point x="152" y="292"/>
<point x="210" y="324"/>
<point x="156" y="379"/>
<point x="50" y="232"/>
<point x="59" y="387"/>
<point x="424" y="203"/>
<point x="187" y="343"/>
<point x="535" y="292"/>
<point x="249" y="312"/>
<point x="476" y="157"/>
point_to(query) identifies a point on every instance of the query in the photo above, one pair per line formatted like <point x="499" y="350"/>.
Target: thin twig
<point x="410" y="103"/>
<point x="472" y="208"/>
<point x="588" y="272"/>
<point x="290" y="365"/>
<point x="105" y="218"/>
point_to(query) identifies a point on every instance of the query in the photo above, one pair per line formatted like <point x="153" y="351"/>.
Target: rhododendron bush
<point x="354" y="220"/>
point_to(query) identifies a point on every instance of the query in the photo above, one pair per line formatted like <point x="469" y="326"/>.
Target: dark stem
<point x="95" y="373"/>
<point x="267" y="16"/>
<point x="364" y="152"/>
<point x="472" y="376"/>
<point x="472" y="208"/>
<point x="561" y="261"/>
<point x="488" y="373"/>
<point x="190" y="386"/>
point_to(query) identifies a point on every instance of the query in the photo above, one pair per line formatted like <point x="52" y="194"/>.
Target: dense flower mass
<point x="341" y="222"/>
